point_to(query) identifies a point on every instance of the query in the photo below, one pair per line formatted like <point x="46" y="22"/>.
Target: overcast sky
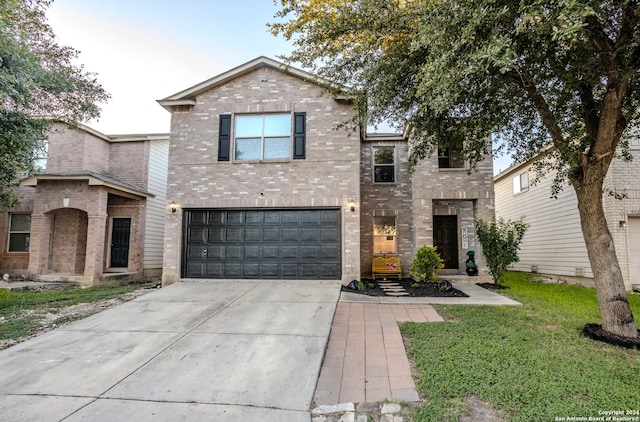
<point x="146" y="50"/>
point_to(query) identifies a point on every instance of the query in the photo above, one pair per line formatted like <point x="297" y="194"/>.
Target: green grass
<point x="14" y="323"/>
<point x="529" y="362"/>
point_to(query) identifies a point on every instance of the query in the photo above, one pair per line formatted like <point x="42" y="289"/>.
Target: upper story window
<point x="263" y="137"/>
<point x="449" y="158"/>
<point x="19" y="232"/>
<point x="259" y="137"/>
<point x="521" y="183"/>
<point x="384" y="167"/>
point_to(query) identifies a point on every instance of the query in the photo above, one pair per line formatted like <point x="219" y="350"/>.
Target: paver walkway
<point x="365" y="360"/>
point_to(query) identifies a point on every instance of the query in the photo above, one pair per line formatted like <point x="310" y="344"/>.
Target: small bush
<point x="500" y="240"/>
<point x="427" y="263"/>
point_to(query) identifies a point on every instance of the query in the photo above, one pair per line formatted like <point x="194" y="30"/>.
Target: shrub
<point x="427" y="263"/>
<point x="500" y="242"/>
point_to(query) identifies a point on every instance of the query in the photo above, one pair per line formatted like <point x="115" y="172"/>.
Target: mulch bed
<point x="424" y="290"/>
<point x="595" y="332"/>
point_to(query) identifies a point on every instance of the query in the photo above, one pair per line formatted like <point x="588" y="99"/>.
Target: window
<point x="521" y="183"/>
<point x="450" y="157"/>
<point x="263" y="137"/>
<point x="384" y="235"/>
<point x="19" y="232"/>
<point x="384" y="169"/>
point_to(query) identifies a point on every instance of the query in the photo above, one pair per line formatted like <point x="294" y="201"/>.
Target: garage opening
<point x="301" y="244"/>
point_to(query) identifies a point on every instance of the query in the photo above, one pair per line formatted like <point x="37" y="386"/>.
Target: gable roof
<point x="93" y="178"/>
<point x="188" y="96"/>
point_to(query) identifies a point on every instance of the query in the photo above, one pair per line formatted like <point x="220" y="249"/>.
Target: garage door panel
<point x="271" y="217"/>
<point x="326" y="270"/>
<point x="329" y="235"/>
<point x="331" y="253"/>
<point x="234" y="252"/>
<point x="197" y="235"/>
<point x="235" y="217"/>
<point x="234" y="234"/>
<point x="252" y="252"/>
<point x="252" y="234"/>
<point x="289" y="253"/>
<point x="216" y="235"/>
<point x="271" y="234"/>
<point x="251" y="270"/>
<point x="253" y="217"/>
<point x="309" y="234"/>
<point x="309" y="253"/>
<point x="270" y="270"/>
<point x="232" y="270"/>
<point x="290" y="234"/>
<point x="270" y="252"/>
<point x="216" y="252"/>
<point x="263" y="243"/>
<point x="213" y="218"/>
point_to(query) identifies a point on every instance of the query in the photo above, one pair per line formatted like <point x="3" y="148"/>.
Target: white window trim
<point x="394" y="164"/>
<point x="262" y="138"/>
<point x="10" y="232"/>
<point x="521" y="183"/>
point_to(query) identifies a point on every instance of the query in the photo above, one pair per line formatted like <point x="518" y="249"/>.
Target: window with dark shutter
<point x="224" y="138"/>
<point x="299" y="136"/>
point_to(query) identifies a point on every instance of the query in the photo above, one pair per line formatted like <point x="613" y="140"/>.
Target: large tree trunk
<point x="612" y="298"/>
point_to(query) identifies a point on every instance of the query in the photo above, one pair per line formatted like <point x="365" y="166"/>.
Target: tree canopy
<point x="38" y="84"/>
<point x="534" y="74"/>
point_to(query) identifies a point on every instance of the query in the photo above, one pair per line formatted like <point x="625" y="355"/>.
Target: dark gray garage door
<point x="262" y="243"/>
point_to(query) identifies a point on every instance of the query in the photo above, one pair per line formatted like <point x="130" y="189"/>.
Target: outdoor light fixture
<point x="352" y="205"/>
<point x="623" y="224"/>
<point x="174" y="207"/>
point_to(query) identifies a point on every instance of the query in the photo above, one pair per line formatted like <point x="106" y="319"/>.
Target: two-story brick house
<point x="97" y="209"/>
<point x="254" y="181"/>
<point x="264" y="185"/>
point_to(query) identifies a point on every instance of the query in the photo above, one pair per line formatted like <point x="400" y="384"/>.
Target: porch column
<point x="94" y="262"/>
<point x="39" y="244"/>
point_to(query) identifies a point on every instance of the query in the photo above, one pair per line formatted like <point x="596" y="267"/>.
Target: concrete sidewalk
<point x="231" y="351"/>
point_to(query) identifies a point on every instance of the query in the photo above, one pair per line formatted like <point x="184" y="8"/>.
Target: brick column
<point x="39" y="244"/>
<point x="94" y="263"/>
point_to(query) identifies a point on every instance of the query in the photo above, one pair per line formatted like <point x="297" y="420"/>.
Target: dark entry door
<point x="120" y="242"/>
<point x="445" y="238"/>
<point x="262" y="243"/>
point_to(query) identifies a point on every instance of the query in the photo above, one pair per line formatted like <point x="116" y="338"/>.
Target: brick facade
<point x="327" y="177"/>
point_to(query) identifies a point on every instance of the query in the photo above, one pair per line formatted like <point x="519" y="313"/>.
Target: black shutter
<point x="299" y="135"/>
<point x="224" y="138"/>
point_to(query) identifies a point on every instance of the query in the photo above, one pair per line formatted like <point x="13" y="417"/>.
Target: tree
<point x="500" y="240"/>
<point x="38" y="85"/>
<point x="531" y="73"/>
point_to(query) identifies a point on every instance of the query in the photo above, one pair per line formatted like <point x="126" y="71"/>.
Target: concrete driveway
<point x="214" y="350"/>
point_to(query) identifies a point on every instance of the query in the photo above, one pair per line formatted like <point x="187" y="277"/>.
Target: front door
<point x="445" y="238"/>
<point x="120" y="242"/>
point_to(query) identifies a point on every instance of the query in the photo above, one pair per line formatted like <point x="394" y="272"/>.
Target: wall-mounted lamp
<point x="623" y="224"/>
<point x="352" y="205"/>
<point x="174" y="207"/>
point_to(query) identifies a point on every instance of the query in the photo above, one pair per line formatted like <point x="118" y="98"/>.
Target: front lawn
<point x="529" y="362"/>
<point x="28" y="312"/>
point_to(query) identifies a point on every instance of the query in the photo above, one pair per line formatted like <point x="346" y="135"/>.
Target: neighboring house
<point x="262" y="185"/>
<point x="97" y="210"/>
<point x="553" y="244"/>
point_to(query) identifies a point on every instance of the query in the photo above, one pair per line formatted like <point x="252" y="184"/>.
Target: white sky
<point x="145" y="50"/>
